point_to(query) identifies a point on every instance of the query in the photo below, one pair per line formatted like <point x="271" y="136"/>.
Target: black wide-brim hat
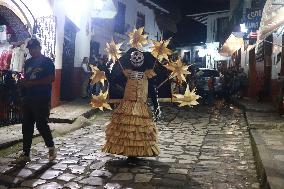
<point x="32" y="43"/>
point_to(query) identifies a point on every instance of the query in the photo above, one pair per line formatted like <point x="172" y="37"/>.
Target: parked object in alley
<point x="86" y="71"/>
<point x="208" y="84"/>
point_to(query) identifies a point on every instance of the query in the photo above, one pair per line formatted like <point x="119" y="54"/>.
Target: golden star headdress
<point x="98" y="75"/>
<point x="100" y="101"/>
<point x="178" y="69"/>
<point x="113" y="51"/>
<point x="160" y="49"/>
<point x="137" y="39"/>
<point x="188" y="99"/>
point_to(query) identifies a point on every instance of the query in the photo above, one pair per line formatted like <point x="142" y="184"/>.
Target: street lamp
<point x="202" y="53"/>
<point x="243" y="28"/>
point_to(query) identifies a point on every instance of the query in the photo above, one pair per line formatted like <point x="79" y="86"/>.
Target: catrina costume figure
<point x="132" y="131"/>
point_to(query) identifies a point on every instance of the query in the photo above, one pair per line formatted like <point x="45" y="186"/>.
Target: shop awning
<point x="233" y="43"/>
<point x="272" y="17"/>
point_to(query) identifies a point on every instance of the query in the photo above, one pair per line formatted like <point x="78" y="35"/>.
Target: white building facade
<point x="72" y="28"/>
<point x="130" y="14"/>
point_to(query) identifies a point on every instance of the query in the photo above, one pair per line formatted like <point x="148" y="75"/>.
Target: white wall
<point x="83" y="38"/>
<point x="277" y="41"/>
<point x="105" y="33"/>
<point x="60" y="18"/>
<point x="80" y="16"/>
<point x="245" y="59"/>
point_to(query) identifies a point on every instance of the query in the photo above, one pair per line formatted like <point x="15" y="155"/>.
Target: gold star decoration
<point x="15" y="77"/>
<point x="100" y="101"/>
<point x="137" y="39"/>
<point x="178" y="70"/>
<point x="98" y="75"/>
<point x="160" y="50"/>
<point x="188" y="99"/>
<point x="113" y="51"/>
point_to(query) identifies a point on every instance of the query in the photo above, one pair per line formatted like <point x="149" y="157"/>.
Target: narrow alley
<point x="200" y="148"/>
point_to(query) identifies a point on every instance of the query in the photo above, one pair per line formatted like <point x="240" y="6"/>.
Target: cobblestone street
<point x="200" y="148"/>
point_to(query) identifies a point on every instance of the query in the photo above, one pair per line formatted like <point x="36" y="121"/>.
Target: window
<point x="119" y="25"/>
<point x="186" y="57"/>
<point x="140" y="22"/>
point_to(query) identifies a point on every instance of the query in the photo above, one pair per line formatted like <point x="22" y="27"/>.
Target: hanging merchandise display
<point x="45" y="31"/>
<point x="5" y="56"/>
<point x="3" y="33"/>
<point x="132" y="130"/>
<point x="18" y="58"/>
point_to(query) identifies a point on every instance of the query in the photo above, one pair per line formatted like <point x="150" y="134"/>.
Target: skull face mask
<point x="137" y="58"/>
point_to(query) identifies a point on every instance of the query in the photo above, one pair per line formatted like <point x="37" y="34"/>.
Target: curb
<point x="242" y="106"/>
<point x="73" y="124"/>
<point x="260" y="152"/>
<point x="269" y="170"/>
<point x="13" y="142"/>
<point x="86" y="114"/>
<point x="258" y="162"/>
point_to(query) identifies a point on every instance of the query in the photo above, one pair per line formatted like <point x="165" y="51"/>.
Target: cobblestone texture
<point x="200" y="148"/>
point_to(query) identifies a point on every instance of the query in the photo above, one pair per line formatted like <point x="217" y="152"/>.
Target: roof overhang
<point x="233" y="43"/>
<point x="272" y="18"/>
<point x="151" y="4"/>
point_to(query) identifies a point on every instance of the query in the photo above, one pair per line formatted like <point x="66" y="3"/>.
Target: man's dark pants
<point x="36" y="110"/>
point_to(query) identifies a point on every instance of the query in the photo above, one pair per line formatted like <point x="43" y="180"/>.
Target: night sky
<point x="197" y="6"/>
<point x="194" y="6"/>
<point x="190" y="31"/>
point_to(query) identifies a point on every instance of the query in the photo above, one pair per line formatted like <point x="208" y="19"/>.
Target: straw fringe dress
<point x="132" y="131"/>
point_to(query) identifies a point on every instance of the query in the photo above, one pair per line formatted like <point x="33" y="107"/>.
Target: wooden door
<point x="66" y="87"/>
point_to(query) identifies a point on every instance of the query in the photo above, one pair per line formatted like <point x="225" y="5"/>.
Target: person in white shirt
<point x="86" y="77"/>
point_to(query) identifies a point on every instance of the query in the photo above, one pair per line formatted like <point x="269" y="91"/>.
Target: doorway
<point x="94" y="51"/>
<point x="66" y="86"/>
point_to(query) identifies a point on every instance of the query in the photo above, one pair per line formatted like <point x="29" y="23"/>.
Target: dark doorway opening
<point x="94" y="51"/>
<point x="66" y="86"/>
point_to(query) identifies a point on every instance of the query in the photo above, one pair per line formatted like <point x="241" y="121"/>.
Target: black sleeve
<point x="49" y="68"/>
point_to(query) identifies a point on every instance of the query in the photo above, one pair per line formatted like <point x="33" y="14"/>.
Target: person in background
<point x="243" y="81"/>
<point x="86" y="72"/>
<point x="210" y="91"/>
<point x="39" y="73"/>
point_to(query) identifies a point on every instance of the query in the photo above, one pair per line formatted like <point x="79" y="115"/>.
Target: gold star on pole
<point x="100" y="101"/>
<point x="188" y="99"/>
<point x="137" y="39"/>
<point x="113" y="51"/>
<point x="15" y="77"/>
<point x="98" y="75"/>
<point x="160" y="50"/>
<point x="178" y="70"/>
